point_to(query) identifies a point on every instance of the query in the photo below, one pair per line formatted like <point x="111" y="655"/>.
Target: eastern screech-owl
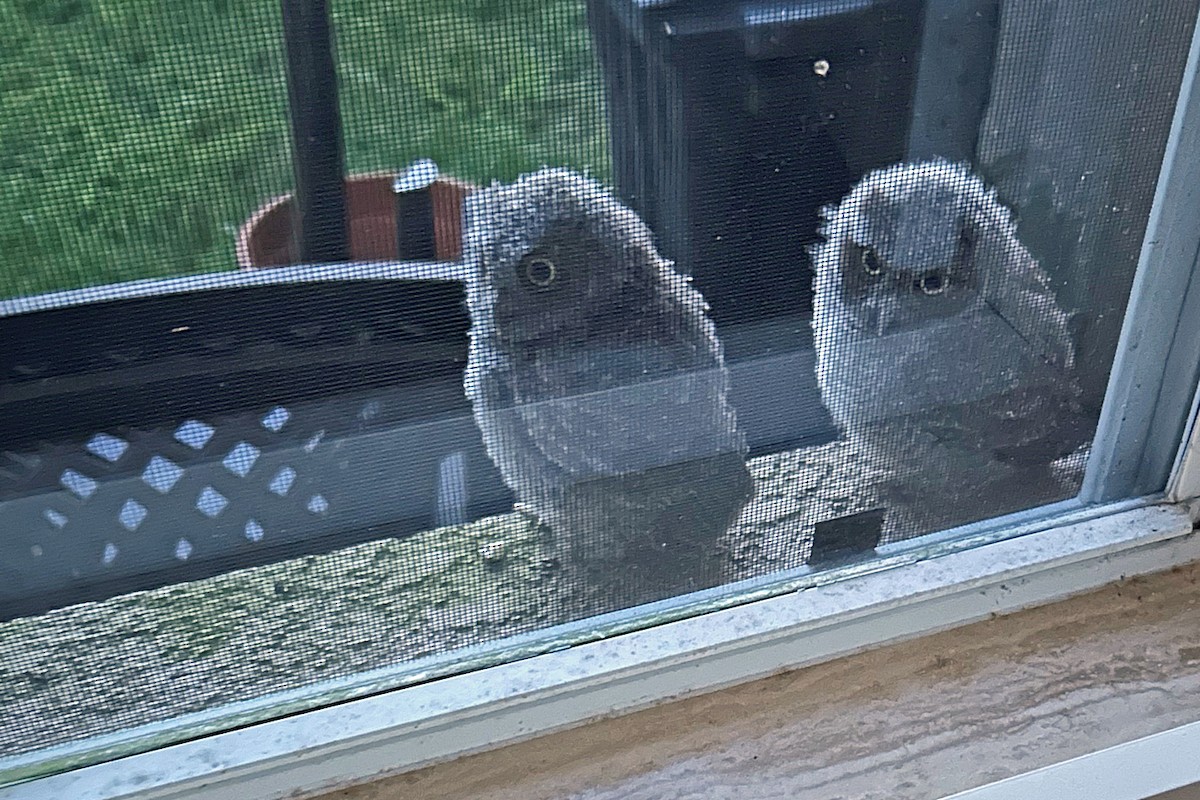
<point x="942" y="352"/>
<point x="600" y="388"/>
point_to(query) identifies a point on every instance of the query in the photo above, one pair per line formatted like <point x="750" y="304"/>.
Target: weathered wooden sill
<point x="921" y="719"/>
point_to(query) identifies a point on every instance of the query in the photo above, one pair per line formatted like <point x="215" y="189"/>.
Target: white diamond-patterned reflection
<point x="210" y="503"/>
<point x="254" y="531"/>
<point x="241" y="459"/>
<point x="194" y="433"/>
<point x="132" y="514"/>
<point x="317" y="504"/>
<point x="281" y="484"/>
<point x="161" y="475"/>
<point x="77" y="484"/>
<point x="276" y="418"/>
<point x="107" y="447"/>
<point x="314" y="440"/>
<point x="110" y="554"/>
<point x="183" y="549"/>
<point x="450" y="503"/>
<point x="55" y="518"/>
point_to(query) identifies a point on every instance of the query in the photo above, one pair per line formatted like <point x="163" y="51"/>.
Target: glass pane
<point x="345" y="342"/>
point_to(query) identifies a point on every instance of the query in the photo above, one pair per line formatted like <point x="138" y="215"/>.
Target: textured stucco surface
<point x="102" y="667"/>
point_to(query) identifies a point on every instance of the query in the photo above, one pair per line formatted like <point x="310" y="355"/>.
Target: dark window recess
<point x="733" y="123"/>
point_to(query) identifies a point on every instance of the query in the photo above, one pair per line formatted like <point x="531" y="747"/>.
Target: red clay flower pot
<point x="266" y="238"/>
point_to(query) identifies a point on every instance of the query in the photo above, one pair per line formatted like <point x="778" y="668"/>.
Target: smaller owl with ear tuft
<point x="600" y="388"/>
<point x="942" y="351"/>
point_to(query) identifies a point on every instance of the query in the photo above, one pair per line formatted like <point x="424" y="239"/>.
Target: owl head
<point x="558" y="256"/>
<point x="910" y="244"/>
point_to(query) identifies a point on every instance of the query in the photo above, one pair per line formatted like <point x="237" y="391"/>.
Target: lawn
<point x="136" y="135"/>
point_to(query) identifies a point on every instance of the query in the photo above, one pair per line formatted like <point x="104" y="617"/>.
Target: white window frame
<point x="1184" y="485"/>
<point x="1138" y="770"/>
<point x="633" y="659"/>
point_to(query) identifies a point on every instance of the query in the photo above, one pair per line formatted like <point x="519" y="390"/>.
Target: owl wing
<point x="1018" y="290"/>
<point x="1025" y="408"/>
<point x="1051" y="425"/>
<point x="1044" y="419"/>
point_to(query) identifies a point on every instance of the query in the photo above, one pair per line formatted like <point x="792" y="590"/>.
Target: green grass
<point x="136" y="135"/>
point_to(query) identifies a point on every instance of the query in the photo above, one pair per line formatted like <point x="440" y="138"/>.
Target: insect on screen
<point x="348" y="342"/>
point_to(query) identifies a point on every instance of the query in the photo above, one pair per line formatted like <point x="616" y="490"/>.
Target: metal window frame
<point x="1154" y="375"/>
<point x="707" y="642"/>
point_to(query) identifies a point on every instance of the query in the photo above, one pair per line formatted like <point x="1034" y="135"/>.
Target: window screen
<point x="344" y="340"/>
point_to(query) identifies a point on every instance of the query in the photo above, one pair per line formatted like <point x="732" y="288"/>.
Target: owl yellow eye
<point x="932" y="283"/>
<point x="541" y="272"/>
<point x="872" y="263"/>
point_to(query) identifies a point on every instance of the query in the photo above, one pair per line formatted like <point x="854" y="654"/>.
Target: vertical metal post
<point x="954" y="78"/>
<point x="415" y="229"/>
<point x="317" y="155"/>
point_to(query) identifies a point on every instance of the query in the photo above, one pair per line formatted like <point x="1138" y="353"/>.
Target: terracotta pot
<point x="266" y="240"/>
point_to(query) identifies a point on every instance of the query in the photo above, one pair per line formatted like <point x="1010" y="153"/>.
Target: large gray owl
<point x="599" y="385"/>
<point x="942" y="352"/>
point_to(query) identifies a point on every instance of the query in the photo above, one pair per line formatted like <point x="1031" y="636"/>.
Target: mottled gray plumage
<point x="600" y="388"/>
<point x="942" y="352"/>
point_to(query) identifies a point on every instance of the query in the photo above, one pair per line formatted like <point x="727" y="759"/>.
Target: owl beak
<point x="865" y="318"/>
<point x="873" y="316"/>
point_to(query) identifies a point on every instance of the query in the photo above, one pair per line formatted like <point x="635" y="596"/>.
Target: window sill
<point x="1057" y="696"/>
<point x="408" y="728"/>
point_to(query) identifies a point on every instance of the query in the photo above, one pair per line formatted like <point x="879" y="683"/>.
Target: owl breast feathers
<point x="596" y="377"/>
<point x="941" y="348"/>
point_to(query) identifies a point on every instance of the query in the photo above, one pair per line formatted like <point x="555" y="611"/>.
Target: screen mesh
<point x="343" y="341"/>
